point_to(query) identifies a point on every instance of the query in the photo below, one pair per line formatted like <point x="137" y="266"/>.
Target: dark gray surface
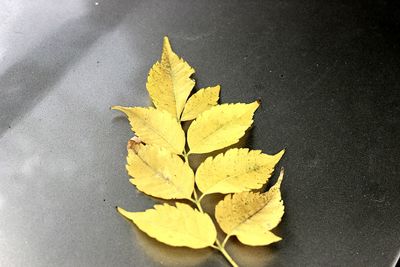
<point x="326" y="71"/>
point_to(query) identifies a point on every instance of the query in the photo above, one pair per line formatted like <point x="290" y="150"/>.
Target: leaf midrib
<point x="154" y="130"/>
<point x="160" y="173"/>
<point x="232" y="177"/>
<point x="251" y="216"/>
<point x="169" y="71"/>
<point x="180" y="233"/>
<point x="173" y="77"/>
<point x="226" y="124"/>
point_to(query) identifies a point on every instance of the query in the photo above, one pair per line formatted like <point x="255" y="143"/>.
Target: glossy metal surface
<point x="328" y="76"/>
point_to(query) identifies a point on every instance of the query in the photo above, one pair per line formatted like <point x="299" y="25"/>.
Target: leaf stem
<point x="225" y="253"/>
<point x="199" y="206"/>
<point x="192" y="200"/>
<point x="225" y="240"/>
<point x="186" y="156"/>
<point x="195" y="195"/>
<point x="197" y="202"/>
<point x="201" y="197"/>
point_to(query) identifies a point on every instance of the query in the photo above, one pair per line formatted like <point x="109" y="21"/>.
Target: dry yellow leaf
<point x="250" y="216"/>
<point x="159" y="173"/>
<point x="201" y="101"/>
<point x="220" y="126"/>
<point x="236" y="170"/>
<point x="176" y="226"/>
<point x="155" y="163"/>
<point x="155" y="127"/>
<point x="169" y="83"/>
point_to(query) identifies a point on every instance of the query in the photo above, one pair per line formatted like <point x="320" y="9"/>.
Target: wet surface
<point x="327" y="74"/>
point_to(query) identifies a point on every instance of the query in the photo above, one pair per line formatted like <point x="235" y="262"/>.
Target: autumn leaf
<point x="201" y="101"/>
<point x="250" y="216"/>
<point x="236" y="170"/>
<point x="220" y="126"/>
<point x="155" y="127"/>
<point x="175" y="226"/>
<point x="159" y="173"/>
<point x="158" y="162"/>
<point x="169" y="83"/>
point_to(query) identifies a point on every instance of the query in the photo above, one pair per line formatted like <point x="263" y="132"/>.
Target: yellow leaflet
<point x="159" y="173"/>
<point x="176" y="226"/>
<point x="251" y="216"/>
<point x="220" y="126"/>
<point x="201" y="101"/>
<point x="169" y="82"/>
<point x="236" y="171"/>
<point x="155" y="127"/>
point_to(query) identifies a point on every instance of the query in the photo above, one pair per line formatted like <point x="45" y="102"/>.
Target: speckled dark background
<point x="328" y="76"/>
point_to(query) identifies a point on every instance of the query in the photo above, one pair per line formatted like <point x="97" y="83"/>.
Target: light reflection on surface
<point x="60" y="163"/>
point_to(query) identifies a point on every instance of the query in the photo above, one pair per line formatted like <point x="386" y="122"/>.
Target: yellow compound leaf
<point x="236" y="171"/>
<point x="250" y="216"/>
<point x="159" y="173"/>
<point x="201" y="101"/>
<point x="179" y="226"/>
<point x="155" y="127"/>
<point x="220" y="126"/>
<point x="169" y="83"/>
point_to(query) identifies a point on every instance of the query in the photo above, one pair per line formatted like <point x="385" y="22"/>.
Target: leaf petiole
<point x="225" y="253"/>
<point x="192" y="200"/>
<point x="225" y="240"/>
<point x="201" y="197"/>
<point x="197" y="201"/>
<point x="186" y="156"/>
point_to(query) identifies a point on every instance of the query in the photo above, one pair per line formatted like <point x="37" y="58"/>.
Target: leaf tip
<point x="280" y="178"/>
<point x="119" y="108"/>
<point x="126" y="214"/>
<point x="256" y="104"/>
<point x="166" y="44"/>
<point x="280" y="154"/>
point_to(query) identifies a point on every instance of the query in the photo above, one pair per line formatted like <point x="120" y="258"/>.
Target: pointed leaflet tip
<point x="280" y="178"/>
<point x="120" y="108"/>
<point x="166" y="44"/>
<point x="126" y="214"/>
<point x="279" y="155"/>
<point x="255" y="104"/>
<point x="217" y="88"/>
